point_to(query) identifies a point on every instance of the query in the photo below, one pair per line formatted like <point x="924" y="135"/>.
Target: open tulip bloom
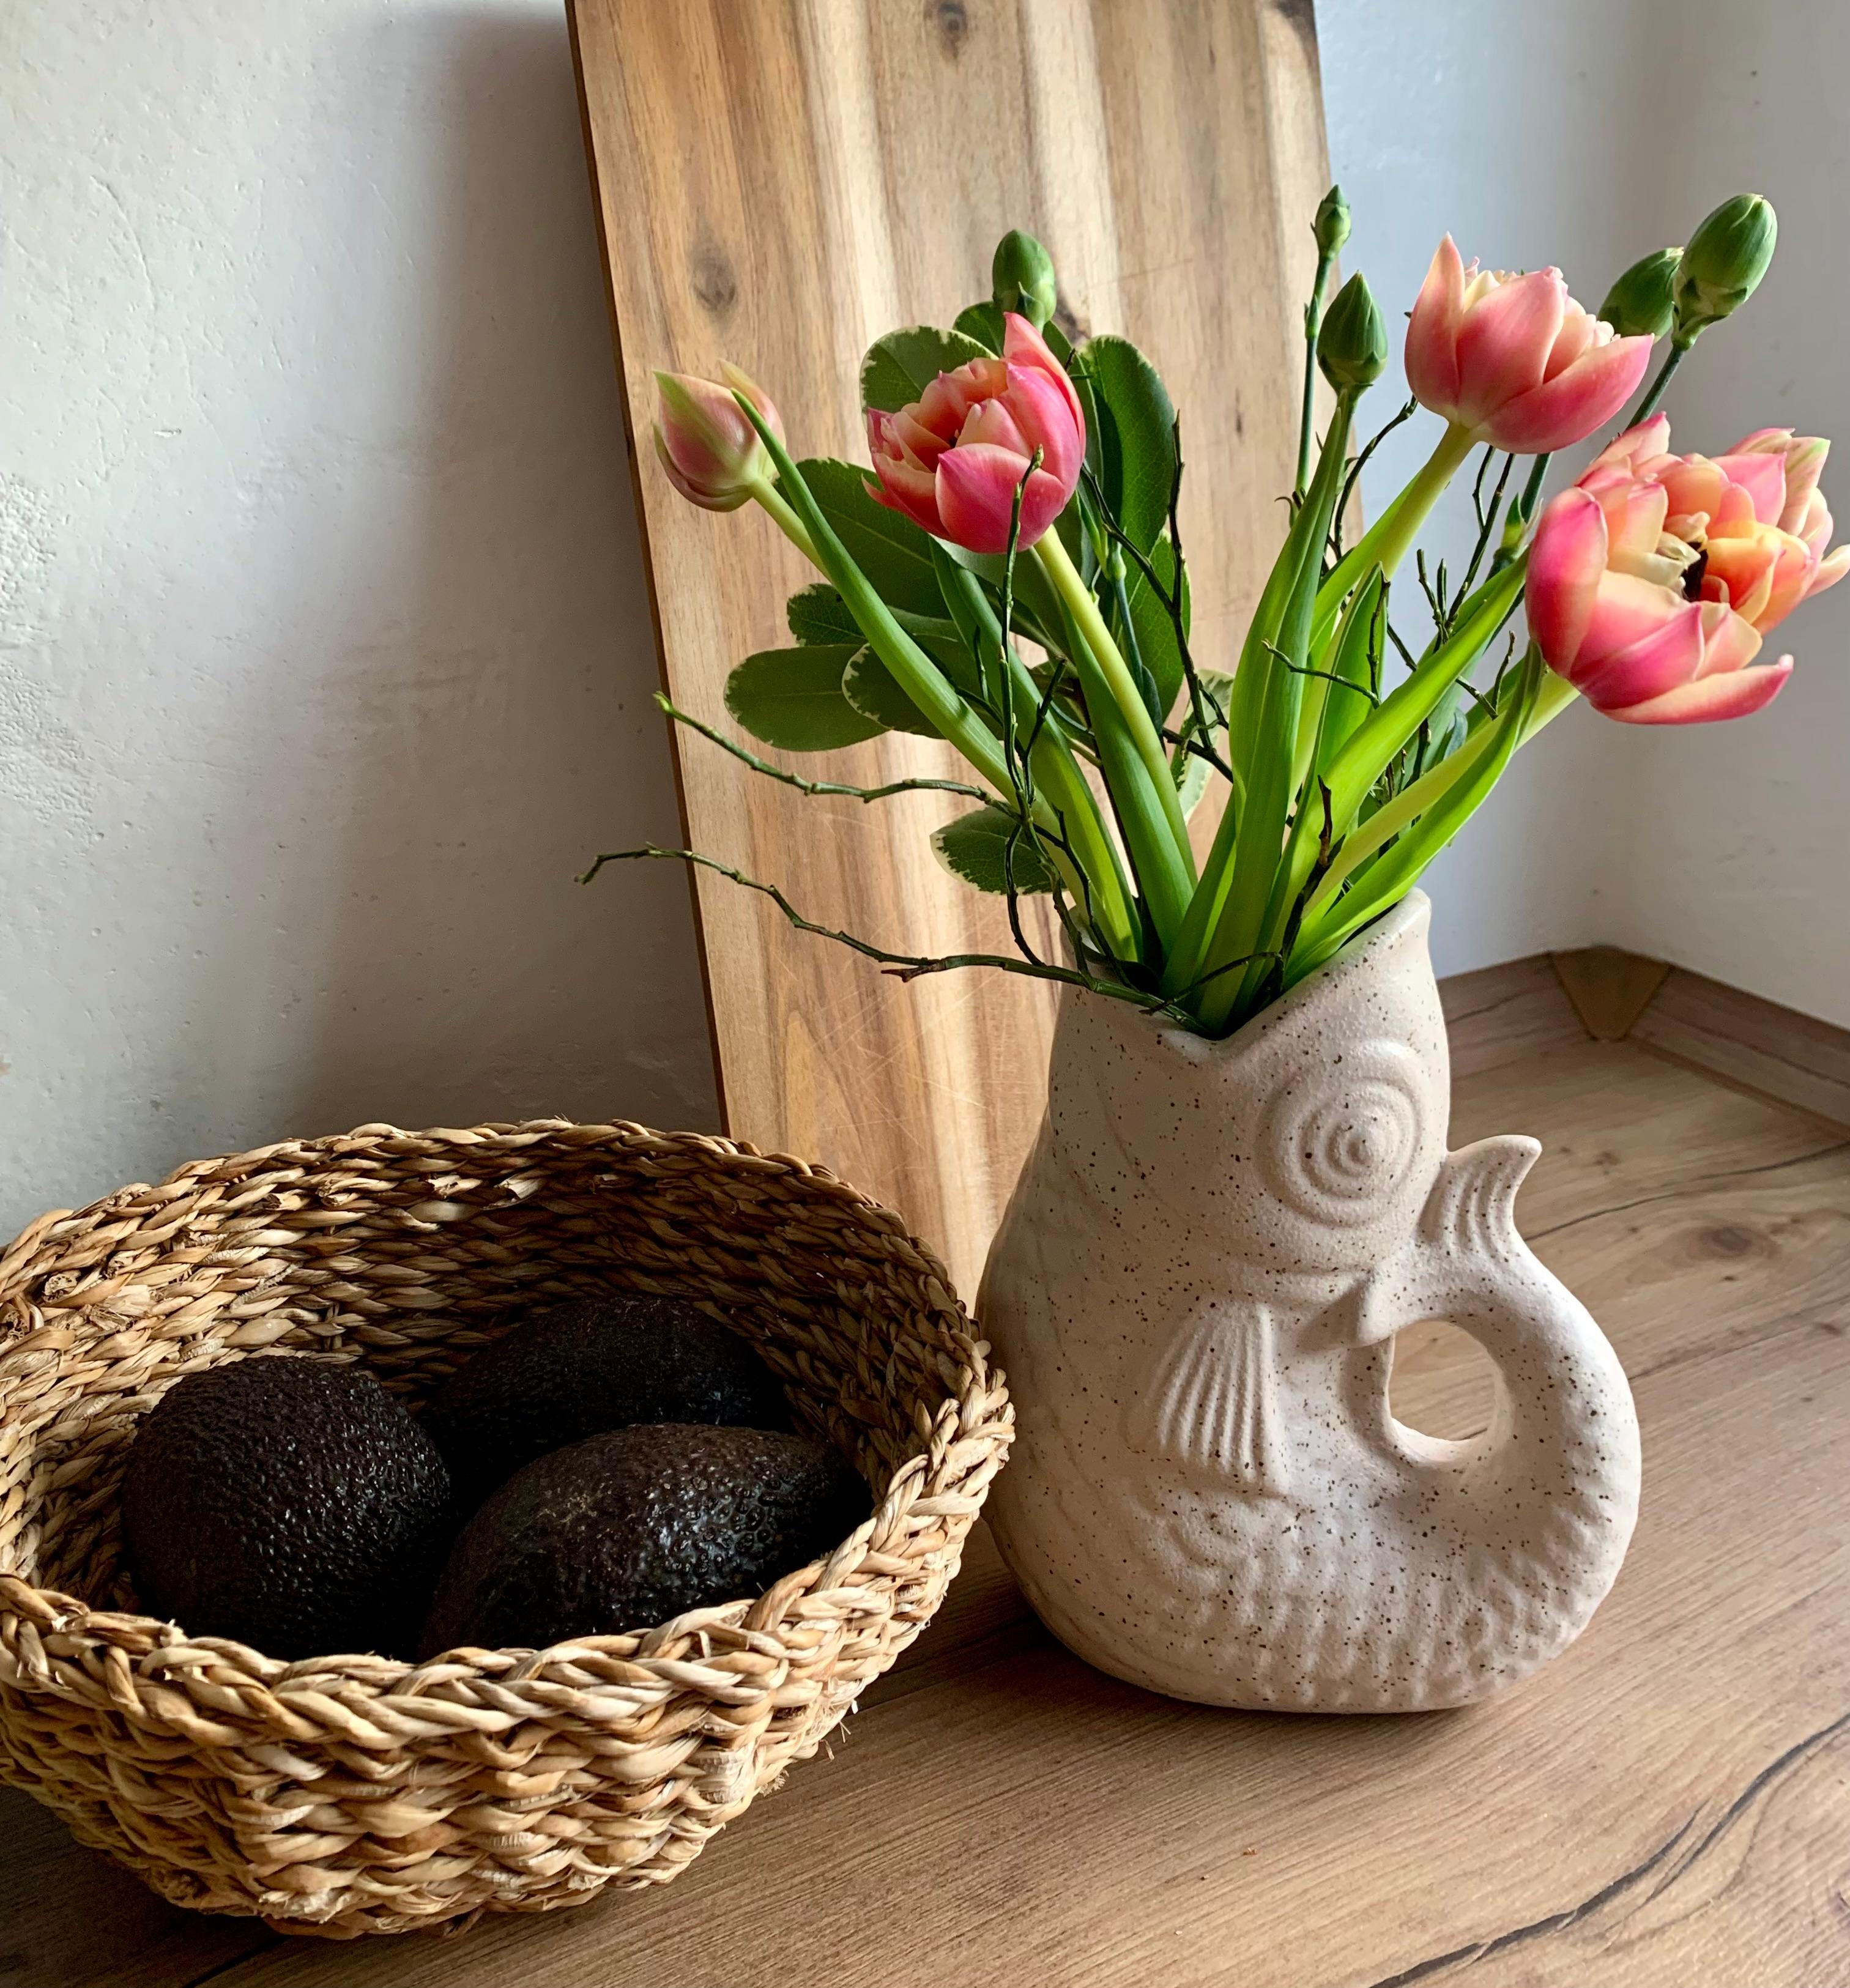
<point x="1008" y="576"/>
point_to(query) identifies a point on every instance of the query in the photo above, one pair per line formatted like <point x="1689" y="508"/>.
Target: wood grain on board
<point x="1666" y="1807"/>
<point x="777" y="184"/>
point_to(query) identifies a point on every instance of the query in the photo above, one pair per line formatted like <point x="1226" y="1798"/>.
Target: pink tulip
<point x="1804" y="514"/>
<point x="953" y="460"/>
<point x="1514" y="359"/>
<point x="711" y="453"/>
<point x="1652" y="581"/>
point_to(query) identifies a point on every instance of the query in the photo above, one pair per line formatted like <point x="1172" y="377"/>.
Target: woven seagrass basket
<point x="351" y="1794"/>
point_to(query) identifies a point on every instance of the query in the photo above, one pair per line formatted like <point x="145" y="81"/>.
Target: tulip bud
<point x="1022" y="274"/>
<point x="1352" y="347"/>
<point x="1331" y="226"/>
<point x="1641" y="304"/>
<point x="1722" y="267"/>
<point x="711" y="453"/>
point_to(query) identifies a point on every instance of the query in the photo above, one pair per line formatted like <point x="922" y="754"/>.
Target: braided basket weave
<point x="351" y="1794"/>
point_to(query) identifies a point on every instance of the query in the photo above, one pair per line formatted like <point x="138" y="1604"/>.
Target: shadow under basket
<point x="351" y="1794"/>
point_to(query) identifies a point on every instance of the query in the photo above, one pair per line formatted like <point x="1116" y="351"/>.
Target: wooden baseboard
<point x="1526" y="1007"/>
<point x="1793" y="1057"/>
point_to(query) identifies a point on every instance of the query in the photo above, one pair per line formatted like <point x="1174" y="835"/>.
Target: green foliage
<point x="900" y="367"/>
<point x="1192" y="770"/>
<point x="983" y="324"/>
<point x="868" y="684"/>
<point x="1155" y="626"/>
<point x="1354" y="663"/>
<point x="794" y="698"/>
<point x="1352" y="343"/>
<point x="1021" y="278"/>
<point x="976" y="848"/>
<point x="1037" y="612"/>
<point x="891" y="551"/>
<point x="1342" y="791"/>
<point x="1723" y="266"/>
<point x="818" y="614"/>
<point x="1642" y="303"/>
<point x="1137" y="438"/>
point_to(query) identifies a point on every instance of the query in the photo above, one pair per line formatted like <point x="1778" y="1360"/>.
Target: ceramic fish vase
<point x="1195" y="1292"/>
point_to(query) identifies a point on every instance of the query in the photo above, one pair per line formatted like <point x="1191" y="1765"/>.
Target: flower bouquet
<point x="1241" y="1189"/>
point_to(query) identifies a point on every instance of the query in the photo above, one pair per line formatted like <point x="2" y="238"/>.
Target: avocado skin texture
<point x="288" y="1504"/>
<point x="580" y="1369"/>
<point x="628" y="1529"/>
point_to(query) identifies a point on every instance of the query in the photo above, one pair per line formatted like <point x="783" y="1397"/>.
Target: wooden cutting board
<point x="777" y="182"/>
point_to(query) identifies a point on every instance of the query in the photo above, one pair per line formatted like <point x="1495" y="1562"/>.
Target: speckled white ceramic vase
<point x="1194" y="1292"/>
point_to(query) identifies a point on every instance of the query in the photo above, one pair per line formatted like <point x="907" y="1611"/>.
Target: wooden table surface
<point x="1667" y="1806"/>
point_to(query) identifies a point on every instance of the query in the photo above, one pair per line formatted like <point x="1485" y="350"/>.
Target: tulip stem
<point x="1142" y="785"/>
<point x="1673" y="359"/>
<point x="1386" y="541"/>
<point x="1136" y="808"/>
<point x="1515" y="519"/>
<point x="786" y="521"/>
<point x="1101" y="891"/>
<point x="1116" y="672"/>
<point x="1553" y="697"/>
<point x="917" y="674"/>
<point x="1314" y="319"/>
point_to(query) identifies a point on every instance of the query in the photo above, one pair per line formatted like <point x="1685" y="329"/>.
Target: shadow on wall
<point x="480" y="723"/>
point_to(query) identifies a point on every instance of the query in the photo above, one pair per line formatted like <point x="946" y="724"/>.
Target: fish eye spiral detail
<point x="1338" y="1145"/>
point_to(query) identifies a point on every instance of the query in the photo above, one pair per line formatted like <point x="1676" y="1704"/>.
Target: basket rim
<point x="53" y="1642"/>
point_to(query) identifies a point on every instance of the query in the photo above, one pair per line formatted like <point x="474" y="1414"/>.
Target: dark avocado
<point x="631" y="1527"/>
<point x="286" y="1503"/>
<point x="579" y="1369"/>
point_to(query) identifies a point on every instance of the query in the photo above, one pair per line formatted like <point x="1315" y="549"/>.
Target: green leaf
<point x="817" y="613"/>
<point x="1354" y="659"/>
<point x="1396" y="870"/>
<point x="793" y="698"/>
<point x="900" y="367"/>
<point x="983" y="324"/>
<point x="1156" y="642"/>
<point x="1038" y="614"/>
<point x="893" y="553"/>
<point x="1137" y="445"/>
<point x="974" y="847"/>
<point x="1191" y="769"/>
<point x="868" y="684"/>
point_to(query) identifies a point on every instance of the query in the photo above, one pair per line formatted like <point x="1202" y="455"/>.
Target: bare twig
<point x="911" y="966"/>
<point x="804" y="786"/>
<point x="1487" y="520"/>
<point x="1357" y="466"/>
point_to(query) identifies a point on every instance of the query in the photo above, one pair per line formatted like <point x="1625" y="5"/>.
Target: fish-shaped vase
<point x="1195" y="1292"/>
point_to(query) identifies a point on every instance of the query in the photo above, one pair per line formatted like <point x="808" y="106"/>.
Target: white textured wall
<point x="1585" y="133"/>
<point x="1731" y="846"/>
<point x="324" y="659"/>
<point x="324" y="654"/>
<point x="1507" y="125"/>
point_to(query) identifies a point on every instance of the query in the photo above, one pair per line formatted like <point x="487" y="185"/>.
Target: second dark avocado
<point x="580" y="1369"/>
<point x="631" y="1528"/>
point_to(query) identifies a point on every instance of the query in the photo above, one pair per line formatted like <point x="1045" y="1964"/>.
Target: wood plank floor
<point x="1668" y="1806"/>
